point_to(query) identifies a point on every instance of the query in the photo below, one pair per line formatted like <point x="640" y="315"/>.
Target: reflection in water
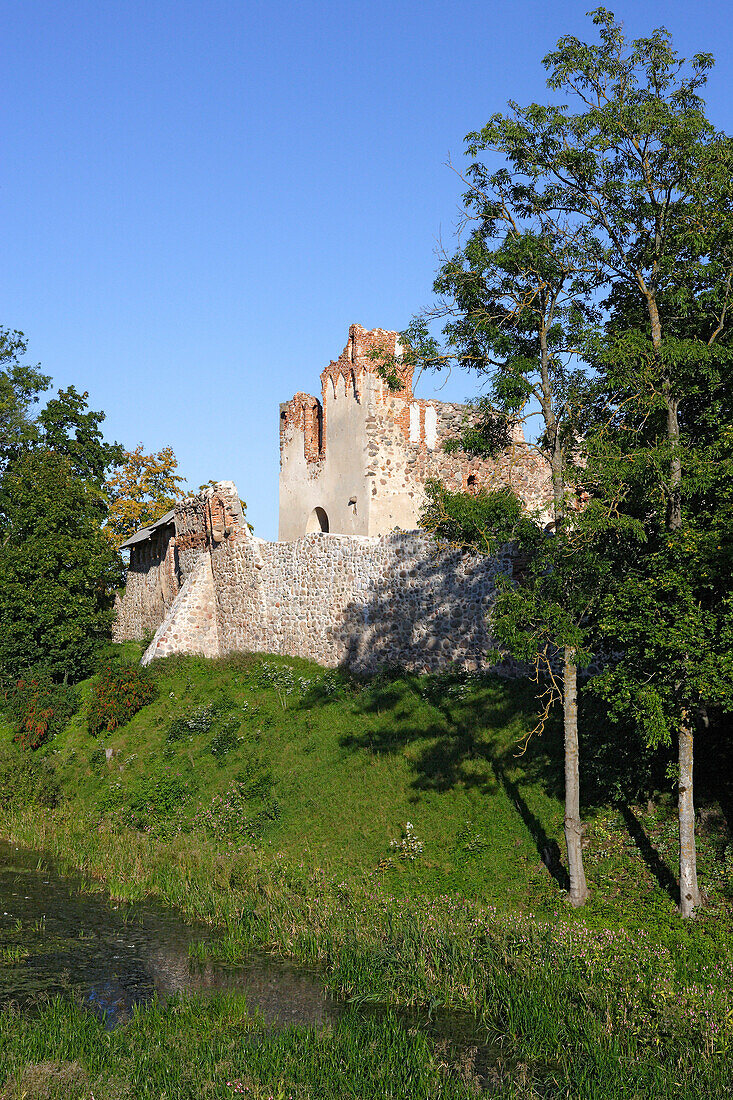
<point x="54" y="939"/>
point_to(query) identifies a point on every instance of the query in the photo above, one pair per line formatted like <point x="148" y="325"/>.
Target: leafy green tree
<point x="668" y="606"/>
<point x="630" y="175"/>
<point x="70" y="428"/>
<point x="20" y="386"/>
<point x="58" y="570"/>
<point x="515" y="297"/>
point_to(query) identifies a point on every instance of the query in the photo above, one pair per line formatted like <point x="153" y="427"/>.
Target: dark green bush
<point x="199" y="720"/>
<point x="226" y="738"/>
<point x="26" y="779"/>
<point x="39" y="709"/>
<point x="120" y="692"/>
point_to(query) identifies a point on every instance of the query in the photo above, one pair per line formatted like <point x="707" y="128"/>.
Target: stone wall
<point x="190" y="625"/>
<point x="359" y="601"/>
<point x="152" y="584"/>
<point x="355" y="600"/>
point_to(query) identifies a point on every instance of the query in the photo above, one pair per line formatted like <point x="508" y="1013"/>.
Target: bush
<point x="157" y="800"/>
<point x="199" y="720"/>
<point x="246" y="809"/>
<point x="226" y="739"/>
<point x="39" y="709"/>
<point x="26" y="780"/>
<point x="120" y="692"/>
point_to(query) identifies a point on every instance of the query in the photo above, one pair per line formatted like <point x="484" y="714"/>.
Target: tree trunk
<point x="573" y="825"/>
<point x="689" y="891"/>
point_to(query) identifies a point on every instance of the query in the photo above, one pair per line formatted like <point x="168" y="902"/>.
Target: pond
<point x="57" y="939"/>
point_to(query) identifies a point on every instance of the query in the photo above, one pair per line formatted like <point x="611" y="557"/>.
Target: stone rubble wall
<point x="152" y="585"/>
<point x="354" y="600"/>
<point x="190" y="625"/>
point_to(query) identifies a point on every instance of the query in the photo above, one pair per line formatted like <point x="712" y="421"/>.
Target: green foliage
<point x="70" y="429"/>
<point x="226" y="739"/>
<point x="245" y="809"/>
<point x="58" y="570"/>
<point x="157" y="800"/>
<point x="199" y="720"/>
<point x="20" y="386"/>
<point x="478" y="922"/>
<point x="39" y="709"/>
<point x="484" y="521"/>
<point x="118" y="694"/>
<point x="216" y="1046"/>
<point x="26" y="780"/>
<point x="279" y="676"/>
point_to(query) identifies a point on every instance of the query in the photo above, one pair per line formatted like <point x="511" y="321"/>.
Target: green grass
<point x="263" y="795"/>
<point x="195" y="1049"/>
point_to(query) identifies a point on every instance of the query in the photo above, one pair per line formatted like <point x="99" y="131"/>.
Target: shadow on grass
<point x="649" y="853"/>
<point x="470" y="739"/>
<point x="468" y="733"/>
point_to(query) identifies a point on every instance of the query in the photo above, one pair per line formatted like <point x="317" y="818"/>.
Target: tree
<point x="69" y="428"/>
<point x="141" y="490"/>
<point x="515" y="297"/>
<point x="58" y="571"/>
<point x="631" y="172"/>
<point x="20" y="386"/>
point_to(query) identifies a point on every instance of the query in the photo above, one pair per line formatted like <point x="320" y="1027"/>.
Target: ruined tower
<point x="356" y="461"/>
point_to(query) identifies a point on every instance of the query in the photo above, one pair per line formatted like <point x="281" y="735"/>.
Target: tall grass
<point x="190" y="1049"/>
<point x="619" y="1000"/>
<point x="603" y="1012"/>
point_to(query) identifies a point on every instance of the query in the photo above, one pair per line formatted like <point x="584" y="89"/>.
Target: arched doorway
<point x="317" y="521"/>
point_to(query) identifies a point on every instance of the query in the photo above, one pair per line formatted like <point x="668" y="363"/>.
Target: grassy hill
<point x="392" y="832"/>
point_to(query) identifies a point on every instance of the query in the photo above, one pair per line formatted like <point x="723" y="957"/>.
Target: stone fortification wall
<point x="360" y="601"/>
<point x="190" y="625"/>
<point x="162" y="566"/>
<point x="152" y="585"/>
<point x="356" y="600"/>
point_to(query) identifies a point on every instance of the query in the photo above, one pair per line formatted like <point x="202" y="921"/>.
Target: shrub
<point x="408" y="846"/>
<point x="39" y="709"/>
<point x="280" y="677"/>
<point x="226" y="739"/>
<point x="120" y="692"/>
<point x="199" y="720"/>
<point x="25" y="779"/>
<point x="157" y="800"/>
<point x="246" y="809"/>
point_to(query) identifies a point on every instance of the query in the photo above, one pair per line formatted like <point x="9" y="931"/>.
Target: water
<point x="56" y="939"/>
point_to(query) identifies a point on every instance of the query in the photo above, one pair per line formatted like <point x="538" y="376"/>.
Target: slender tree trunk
<point x="674" y="519"/>
<point x="573" y="825"/>
<point x="689" y="890"/>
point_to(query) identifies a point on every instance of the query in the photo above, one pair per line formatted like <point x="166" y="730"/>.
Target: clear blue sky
<point x="196" y="199"/>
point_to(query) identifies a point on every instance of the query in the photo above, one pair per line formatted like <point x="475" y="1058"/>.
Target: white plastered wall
<point x="337" y="483"/>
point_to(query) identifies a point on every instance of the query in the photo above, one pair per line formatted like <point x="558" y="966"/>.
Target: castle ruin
<point x="356" y="461"/>
<point x="351" y="580"/>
